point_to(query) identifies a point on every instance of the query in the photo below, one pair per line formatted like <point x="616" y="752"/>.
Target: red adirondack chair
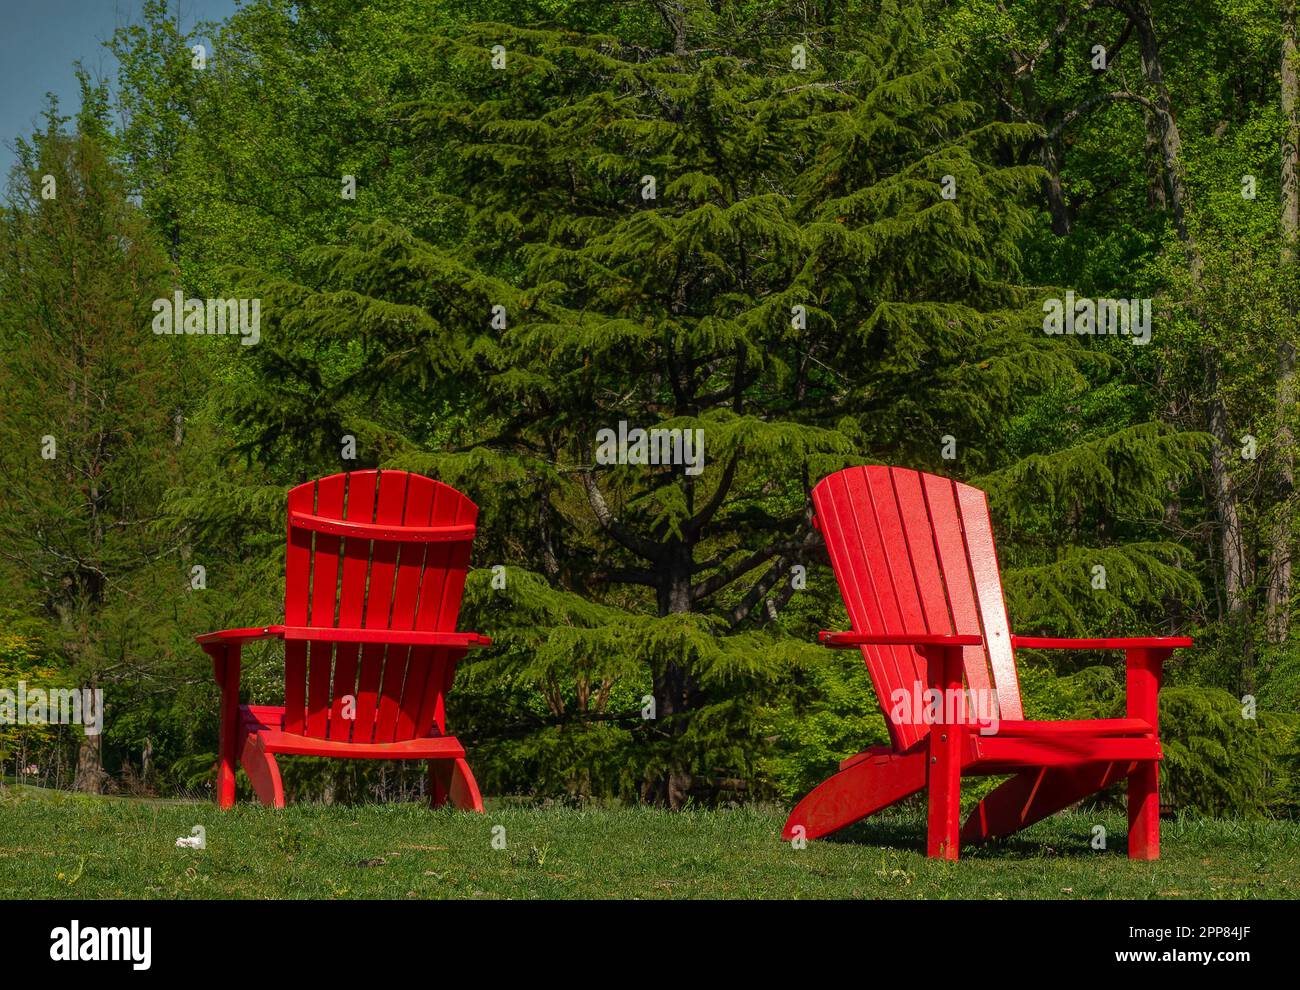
<point x="914" y="558"/>
<point x="375" y="570"/>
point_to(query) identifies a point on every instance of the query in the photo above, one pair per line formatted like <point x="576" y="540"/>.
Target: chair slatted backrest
<point x="373" y="550"/>
<point x="914" y="553"/>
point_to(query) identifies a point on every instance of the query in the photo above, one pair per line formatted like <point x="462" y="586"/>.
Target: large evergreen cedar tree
<point x="799" y="289"/>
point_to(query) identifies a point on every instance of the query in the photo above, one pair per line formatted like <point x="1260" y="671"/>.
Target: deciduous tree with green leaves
<point x="88" y="441"/>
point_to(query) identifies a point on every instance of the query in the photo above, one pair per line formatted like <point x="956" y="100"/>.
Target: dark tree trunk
<point x="675" y="690"/>
<point x="1280" y="535"/>
<point x="1236" y="562"/>
<point x="1053" y="188"/>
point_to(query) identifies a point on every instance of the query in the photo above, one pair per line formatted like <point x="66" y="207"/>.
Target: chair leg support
<point x="262" y="770"/>
<point x="1034" y="794"/>
<point x="859" y="790"/>
<point x="452" y="780"/>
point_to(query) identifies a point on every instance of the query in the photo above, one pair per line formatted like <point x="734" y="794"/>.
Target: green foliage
<point x="1218" y="759"/>
<point x="1218" y="762"/>
<point x="831" y="714"/>
<point x="24" y="658"/>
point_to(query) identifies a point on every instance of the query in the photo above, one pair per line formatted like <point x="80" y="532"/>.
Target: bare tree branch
<point x="620" y="533"/>
<point x="701" y="518"/>
<point x="759" y="557"/>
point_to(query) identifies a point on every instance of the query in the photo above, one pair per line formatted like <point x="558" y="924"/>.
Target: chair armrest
<point x="1106" y="643"/>
<point x="1144" y="662"/>
<point x="232" y="636"/>
<point x="395" y="637"/>
<point x="330" y="634"/>
<point x="846" y="640"/>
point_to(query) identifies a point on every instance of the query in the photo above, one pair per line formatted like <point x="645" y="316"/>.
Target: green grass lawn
<point x="68" y="846"/>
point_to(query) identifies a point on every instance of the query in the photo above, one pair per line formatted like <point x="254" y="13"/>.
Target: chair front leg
<point x="1145" y="668"/>
<point x="225" y="663"/>
<point x="943" y="767"/>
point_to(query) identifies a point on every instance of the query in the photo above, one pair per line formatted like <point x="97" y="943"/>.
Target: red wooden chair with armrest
<point x="915" y="561"/>
<point x="375" y="570"/>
